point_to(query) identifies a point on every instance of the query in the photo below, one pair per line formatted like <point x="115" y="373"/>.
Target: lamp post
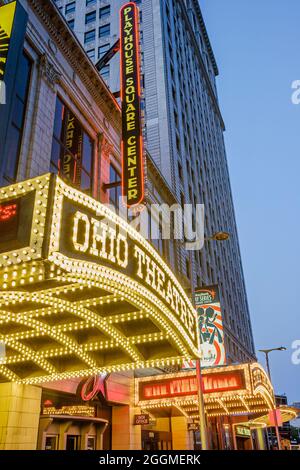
<point x="218" y="236"/>
<point x="266" y="353"/>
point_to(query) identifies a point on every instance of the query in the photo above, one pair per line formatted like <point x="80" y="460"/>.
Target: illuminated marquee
<point x="132" y="142"/>
<point x="228" y="390"/>
<point x="76" y="410"/>
<point x="91" y="289"/>
<point x="187" y="385"/>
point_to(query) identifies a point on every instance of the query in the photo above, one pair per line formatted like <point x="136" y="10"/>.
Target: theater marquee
<point x="132" y="140"/>
<point x="93" y="293"/>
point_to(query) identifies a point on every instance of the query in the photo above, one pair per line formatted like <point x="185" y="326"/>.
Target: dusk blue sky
<point x="257" y="47"/>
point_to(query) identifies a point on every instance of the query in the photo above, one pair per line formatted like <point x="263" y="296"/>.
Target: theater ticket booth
<point x="81" y="293"/>
<point x="235" y="398"/>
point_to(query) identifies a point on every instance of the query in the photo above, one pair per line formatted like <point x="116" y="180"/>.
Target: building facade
<point x="60" y="118"/>
<point x="85" y="319"/>
<point x="184" y="133"/>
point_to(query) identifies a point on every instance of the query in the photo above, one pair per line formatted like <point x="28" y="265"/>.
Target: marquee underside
<point x="68" y="326"/>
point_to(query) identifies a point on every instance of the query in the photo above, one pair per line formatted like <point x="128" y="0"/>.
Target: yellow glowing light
<point x="62" y="280"/>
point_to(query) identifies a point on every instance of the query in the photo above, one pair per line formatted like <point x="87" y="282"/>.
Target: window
<point x="188" y="268"/>
<point x="104" y="12"/>
<point x="90" y="2"/>
<point x="104" y="31"/>
<point x="156" y="233"/>
<point x="91" y="54"/>
<point x="89" y="36"/>
<point x="103" y="50"/>
<point x="104" y="72"/>
<point x="114" y="193"/>
<point x="71" y="23"/>
<point x="180" y="173"/>
<point x="51" y="442"/>
<point x="72" y="149"/>
<point x="70" y="8"/>
<point x="90" y="17"/>
<point x="16" y="125"/>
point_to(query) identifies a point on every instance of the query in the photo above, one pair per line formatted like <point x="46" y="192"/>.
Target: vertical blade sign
<point x="132" y="140"/>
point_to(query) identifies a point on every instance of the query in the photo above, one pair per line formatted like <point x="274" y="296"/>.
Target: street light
<point x="266" y="353"/>
<point x="218" y="236"/>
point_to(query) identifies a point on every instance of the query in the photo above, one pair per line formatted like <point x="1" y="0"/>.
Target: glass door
<point x="72" y="442"/>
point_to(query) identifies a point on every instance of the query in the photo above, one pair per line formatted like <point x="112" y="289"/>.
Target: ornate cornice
<point x="69" y="45"/>
<point x="205" y="35"/>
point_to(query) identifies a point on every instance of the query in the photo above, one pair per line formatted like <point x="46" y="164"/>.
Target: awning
<point x="287" y="413"/>
<point x="82" y="291"/>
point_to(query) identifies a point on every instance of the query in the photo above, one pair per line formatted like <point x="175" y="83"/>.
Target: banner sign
<point x="72" y="159"/>
<point x="132" y="140"/>
<point x="207" y="302"/>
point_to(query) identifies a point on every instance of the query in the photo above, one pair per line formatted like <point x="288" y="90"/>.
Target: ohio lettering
<point x="99" y="241"/>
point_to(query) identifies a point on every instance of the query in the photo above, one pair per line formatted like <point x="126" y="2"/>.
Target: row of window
<point x="101" y="51"/>
<point x="190" y="102"/>
<point x="90" y="36"/>
<point x="72" y="148"/>
<point x="90" y="18"/>
<point x="104" y="12"/>
<point x="71" y="7"/>
<point x="17" y="118"/>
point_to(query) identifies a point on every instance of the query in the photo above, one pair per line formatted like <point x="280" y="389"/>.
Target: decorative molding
<point x="74" y="53"/>
<point x="106" y="147"/>
<point x="52" y="75"/>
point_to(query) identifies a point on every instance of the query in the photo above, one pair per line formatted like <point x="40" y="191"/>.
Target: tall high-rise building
<point x="184" y="133"/>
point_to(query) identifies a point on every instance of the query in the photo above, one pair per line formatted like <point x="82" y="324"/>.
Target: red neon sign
<point x="187" y="385"/>
<point x="132" y="140"/>
<point x="8" y="211"/>
<point x="92" y="387"/>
